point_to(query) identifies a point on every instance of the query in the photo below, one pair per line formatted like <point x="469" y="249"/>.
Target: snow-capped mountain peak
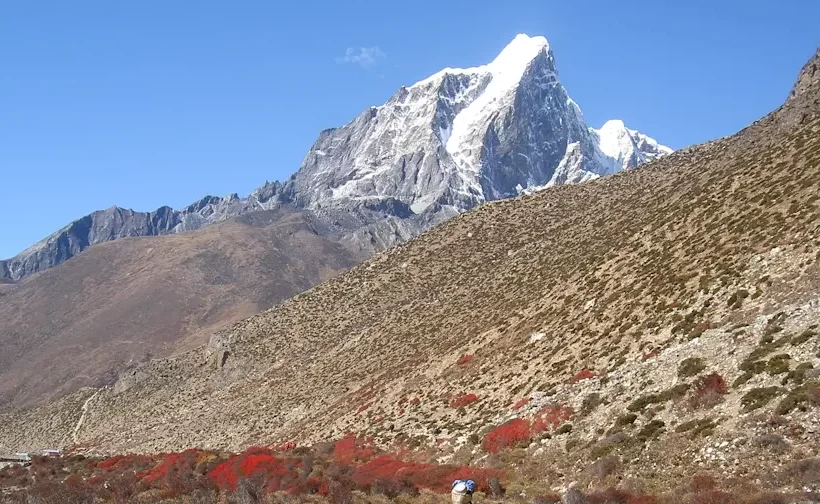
<point x="512" y="61"/>
<point x="435" y="148"/>
<point x="466" y="135"/>
<point x="628" y="147"/>
<point x="508" y="66"/>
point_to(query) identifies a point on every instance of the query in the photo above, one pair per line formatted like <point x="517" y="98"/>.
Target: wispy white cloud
<point x="363" y="56"/>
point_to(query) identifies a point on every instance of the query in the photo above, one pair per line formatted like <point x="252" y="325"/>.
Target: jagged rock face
<point x="115" y="223"/>
<point x="435" y="149"/>
<point x="464" y="136"/>
<point x="809" y="79"/>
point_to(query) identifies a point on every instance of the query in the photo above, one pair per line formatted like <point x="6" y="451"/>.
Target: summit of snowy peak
<point x="507" y="71"/>
<point x="613" y="125"/>
<point x="509" y="65"/>
<point x="519" y="53"/>
<point x="627" y="146"/>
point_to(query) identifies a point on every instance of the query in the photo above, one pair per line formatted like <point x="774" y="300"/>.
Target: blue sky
<point x="143" y="104"/>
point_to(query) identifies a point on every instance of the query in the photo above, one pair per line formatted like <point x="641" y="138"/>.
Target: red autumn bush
<point x="521" y="403"/>
<point x="584" y="374"/>
<point x="463" y="400"/>
<point x="550" y="417"/>
<point x="707" y="391"/>
<point x="352" y="449"/>
<point x="506" y="435"/>
<point x="521" y="430"/>
<point x="333" y="471"/>
<point x="464" y="359"/>
<point x="288" y="446"/>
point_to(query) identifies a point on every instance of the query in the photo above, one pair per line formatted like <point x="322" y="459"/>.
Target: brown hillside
<point x="126" y="301"/>
<point x="606" y="305"/>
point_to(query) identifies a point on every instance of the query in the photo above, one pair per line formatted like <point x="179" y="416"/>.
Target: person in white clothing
<point x="462" y="492"/>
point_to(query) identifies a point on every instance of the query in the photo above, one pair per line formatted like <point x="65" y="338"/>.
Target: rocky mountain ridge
<point x="435" y="149"/>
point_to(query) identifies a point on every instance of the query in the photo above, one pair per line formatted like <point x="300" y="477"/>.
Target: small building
<point x="17" y="458"/>
<point x="51" y="452"/>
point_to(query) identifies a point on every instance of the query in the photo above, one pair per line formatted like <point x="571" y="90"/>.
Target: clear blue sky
<point x="154" y="102"/>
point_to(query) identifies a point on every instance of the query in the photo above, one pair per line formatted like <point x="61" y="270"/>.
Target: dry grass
<point x="127" y="301"/>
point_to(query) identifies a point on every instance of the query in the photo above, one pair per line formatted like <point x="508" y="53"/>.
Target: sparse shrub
<point x="758" y="397"/>
<point x="564" y="429"/>
<point x="690" y="367"/>
<point x="801" y="398"/>
<point x="698" y="427"/>
<point x="650" y="430"/>
<point x="707" y="391"/>
<point x="571" y="445"/>
<point x="774" y="443"/>
<point x="626" y="419"/>
<point x="574" y="496"/>
<point x="604" y="467"/>
<point x="804" y="472"/>
<point x="798" y="374"/>
<point x="496" y="490"/>
<point x="736" y="300"/>
<point x="590" y="402"/>
<point x="775" y="324"/>
<point x="778" y="364"/>
<point x="803" y="337"/>
<point x="753" y="367"/>
<point x="606" y="445"/>
<point x="675" y="392"/>
<point x="698" y="329"/>
<point x="642" y="402"/>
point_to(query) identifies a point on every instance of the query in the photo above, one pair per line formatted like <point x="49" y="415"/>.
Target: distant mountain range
<point x="435" y="149"/>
